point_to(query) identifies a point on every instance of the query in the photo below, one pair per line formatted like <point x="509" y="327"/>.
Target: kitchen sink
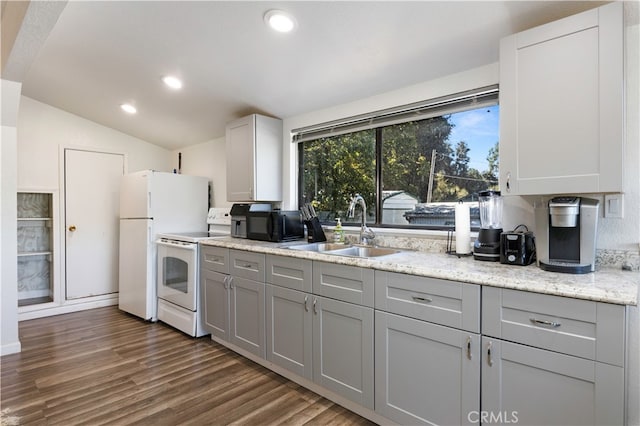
<point x="357" y="251"/>
<point x="345" y="250"/>
<point x="319" y="247"/>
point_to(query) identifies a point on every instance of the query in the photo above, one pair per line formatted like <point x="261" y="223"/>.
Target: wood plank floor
<point x="104" y="366"/>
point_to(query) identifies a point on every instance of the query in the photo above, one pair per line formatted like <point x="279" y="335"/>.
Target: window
<point x="411" y="171"/>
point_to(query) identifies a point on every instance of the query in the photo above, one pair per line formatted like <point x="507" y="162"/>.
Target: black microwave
<point x="275" y="225"/>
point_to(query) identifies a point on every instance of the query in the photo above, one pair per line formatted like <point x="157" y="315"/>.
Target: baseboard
<point x="51" y="309"/>
<point x="11" y="348"/>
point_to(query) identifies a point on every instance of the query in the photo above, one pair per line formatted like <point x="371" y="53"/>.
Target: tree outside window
<point x="410" y="174"/>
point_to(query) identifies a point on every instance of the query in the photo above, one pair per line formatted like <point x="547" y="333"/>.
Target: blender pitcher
<point x="487" y="246"/>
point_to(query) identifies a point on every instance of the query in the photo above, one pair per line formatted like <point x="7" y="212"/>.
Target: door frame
<point x="59" y="304"/>
<point x="108" y="299"/>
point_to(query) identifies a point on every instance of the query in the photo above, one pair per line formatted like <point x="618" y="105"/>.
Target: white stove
<point x="178" y="273"/>
<point x="192" y="237"/>
<point x="219" y="221"/>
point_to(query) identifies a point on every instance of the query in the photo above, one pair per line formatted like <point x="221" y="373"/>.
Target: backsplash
<point x="605" y="258"/>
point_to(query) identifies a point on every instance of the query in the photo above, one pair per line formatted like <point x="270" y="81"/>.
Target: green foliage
<point x="335" y="168"/>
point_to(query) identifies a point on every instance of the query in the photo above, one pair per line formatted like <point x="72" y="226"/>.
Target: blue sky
<point x="479" y="129"/>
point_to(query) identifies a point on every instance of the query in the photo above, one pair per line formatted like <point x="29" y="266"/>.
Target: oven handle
<point x="178" y="245"/>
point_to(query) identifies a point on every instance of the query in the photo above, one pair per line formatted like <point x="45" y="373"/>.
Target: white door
<point x="92" y="187"/>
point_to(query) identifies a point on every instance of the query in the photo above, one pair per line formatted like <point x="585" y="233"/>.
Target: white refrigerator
<point x="151" y="203"/>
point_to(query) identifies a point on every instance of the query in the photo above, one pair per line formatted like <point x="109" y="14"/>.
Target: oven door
<point x="177" y="272"/>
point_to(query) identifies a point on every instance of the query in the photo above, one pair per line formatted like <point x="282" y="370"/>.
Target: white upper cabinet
<point x="561" y="106"/>
<point x="254" y="159"/>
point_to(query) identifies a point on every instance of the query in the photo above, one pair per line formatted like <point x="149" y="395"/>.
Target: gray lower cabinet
<point x="425" y="373"/>
<point x="214" y="290"/>
<point x="233" y="297"/>
<point x="550" y="360"/>
<point x="418" y="352"/>
<point x="322" y="339"/>
<point x="530" y="386"/>
<point x="427" y="349"/>
<point x="343" y="349"/>
<point x="289" y="330"/>
<point x="246" y="313"/>
<point x="215" y="300"/>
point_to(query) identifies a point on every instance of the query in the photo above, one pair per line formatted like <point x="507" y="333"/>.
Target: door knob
<point x="72" y="228"/>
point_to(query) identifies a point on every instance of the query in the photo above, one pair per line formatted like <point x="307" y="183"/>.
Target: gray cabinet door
<point x="343" y="349"/>
<point x="561" y="98"/>
<point x="240" y="144"/>
<point x="215" y="303"/>
<point x="247" y="326"/>
<point x="425" y="373"/>
<point x="531" y="386"/>
<point x="289" y="330"/>
<point x="254" y="159"/>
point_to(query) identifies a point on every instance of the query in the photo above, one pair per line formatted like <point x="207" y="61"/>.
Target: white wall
<point x="42" y="129"/>
<point x="467" y="80"/>
<point x="207" y="159"/>
<point x="9" y="339"/>
<point x="42" y="132"/>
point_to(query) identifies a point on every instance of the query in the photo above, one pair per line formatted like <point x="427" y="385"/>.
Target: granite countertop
<point x="605" y="285"/>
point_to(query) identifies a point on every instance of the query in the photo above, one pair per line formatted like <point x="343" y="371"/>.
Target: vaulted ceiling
<point x="100" y="54"/>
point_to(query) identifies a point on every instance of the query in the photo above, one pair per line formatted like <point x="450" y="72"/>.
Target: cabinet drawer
<point x="342" y="282"/>
<point x="449" y="303"/>
<point x="214" y="259"/>
<point x="247" y="265"/>
<point x="583" y="328"/>
<point x="289" y="272"/>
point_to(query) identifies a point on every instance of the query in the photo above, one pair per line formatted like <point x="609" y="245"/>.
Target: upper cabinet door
<point x="240" y="136"/>
<point x="254" y="159"/>
<point x="561" y="106"/>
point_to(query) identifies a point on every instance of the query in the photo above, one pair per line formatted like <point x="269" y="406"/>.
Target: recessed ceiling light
<point x="172" y="82"/>
<point x="280" y="21"/>
<point x="128" y="108"/>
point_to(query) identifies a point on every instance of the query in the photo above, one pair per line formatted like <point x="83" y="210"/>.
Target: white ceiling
<point x="102" y="54"/>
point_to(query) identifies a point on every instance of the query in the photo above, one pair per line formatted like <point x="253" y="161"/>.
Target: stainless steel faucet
<point x="366" y="234"/>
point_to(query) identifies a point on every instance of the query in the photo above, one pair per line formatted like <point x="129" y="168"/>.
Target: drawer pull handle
<point x="422" y="299"/>
<point x="306" y="308"/>
<point x="226" y="282"/>
<point x="315" y="308"/>
<point x="469" y="347"/>
<point x="545" y="323"/>
<point x="247" y="265"/>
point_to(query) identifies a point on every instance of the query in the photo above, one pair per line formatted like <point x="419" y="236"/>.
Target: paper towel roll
<point x="463" y="229"/>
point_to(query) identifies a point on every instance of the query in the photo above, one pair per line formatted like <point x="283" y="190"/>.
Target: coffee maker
<point x="566" y="230"/>
<point x="487" y="245"/>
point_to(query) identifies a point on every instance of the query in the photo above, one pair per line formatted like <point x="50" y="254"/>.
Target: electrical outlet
<point x="614" y="206"/>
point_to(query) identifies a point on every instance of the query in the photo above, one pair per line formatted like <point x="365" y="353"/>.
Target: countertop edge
<point x="607" y="285"/>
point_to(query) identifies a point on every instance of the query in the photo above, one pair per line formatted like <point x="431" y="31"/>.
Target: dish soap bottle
<point x="338" y="232"/>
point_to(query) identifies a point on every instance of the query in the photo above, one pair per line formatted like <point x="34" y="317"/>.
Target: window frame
<point x="377" y="121"/>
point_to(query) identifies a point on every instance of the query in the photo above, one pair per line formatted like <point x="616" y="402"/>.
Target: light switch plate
<point x="614" y="206"/>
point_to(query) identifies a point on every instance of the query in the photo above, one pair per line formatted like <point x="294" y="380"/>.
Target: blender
<point x="487" y="245"/>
